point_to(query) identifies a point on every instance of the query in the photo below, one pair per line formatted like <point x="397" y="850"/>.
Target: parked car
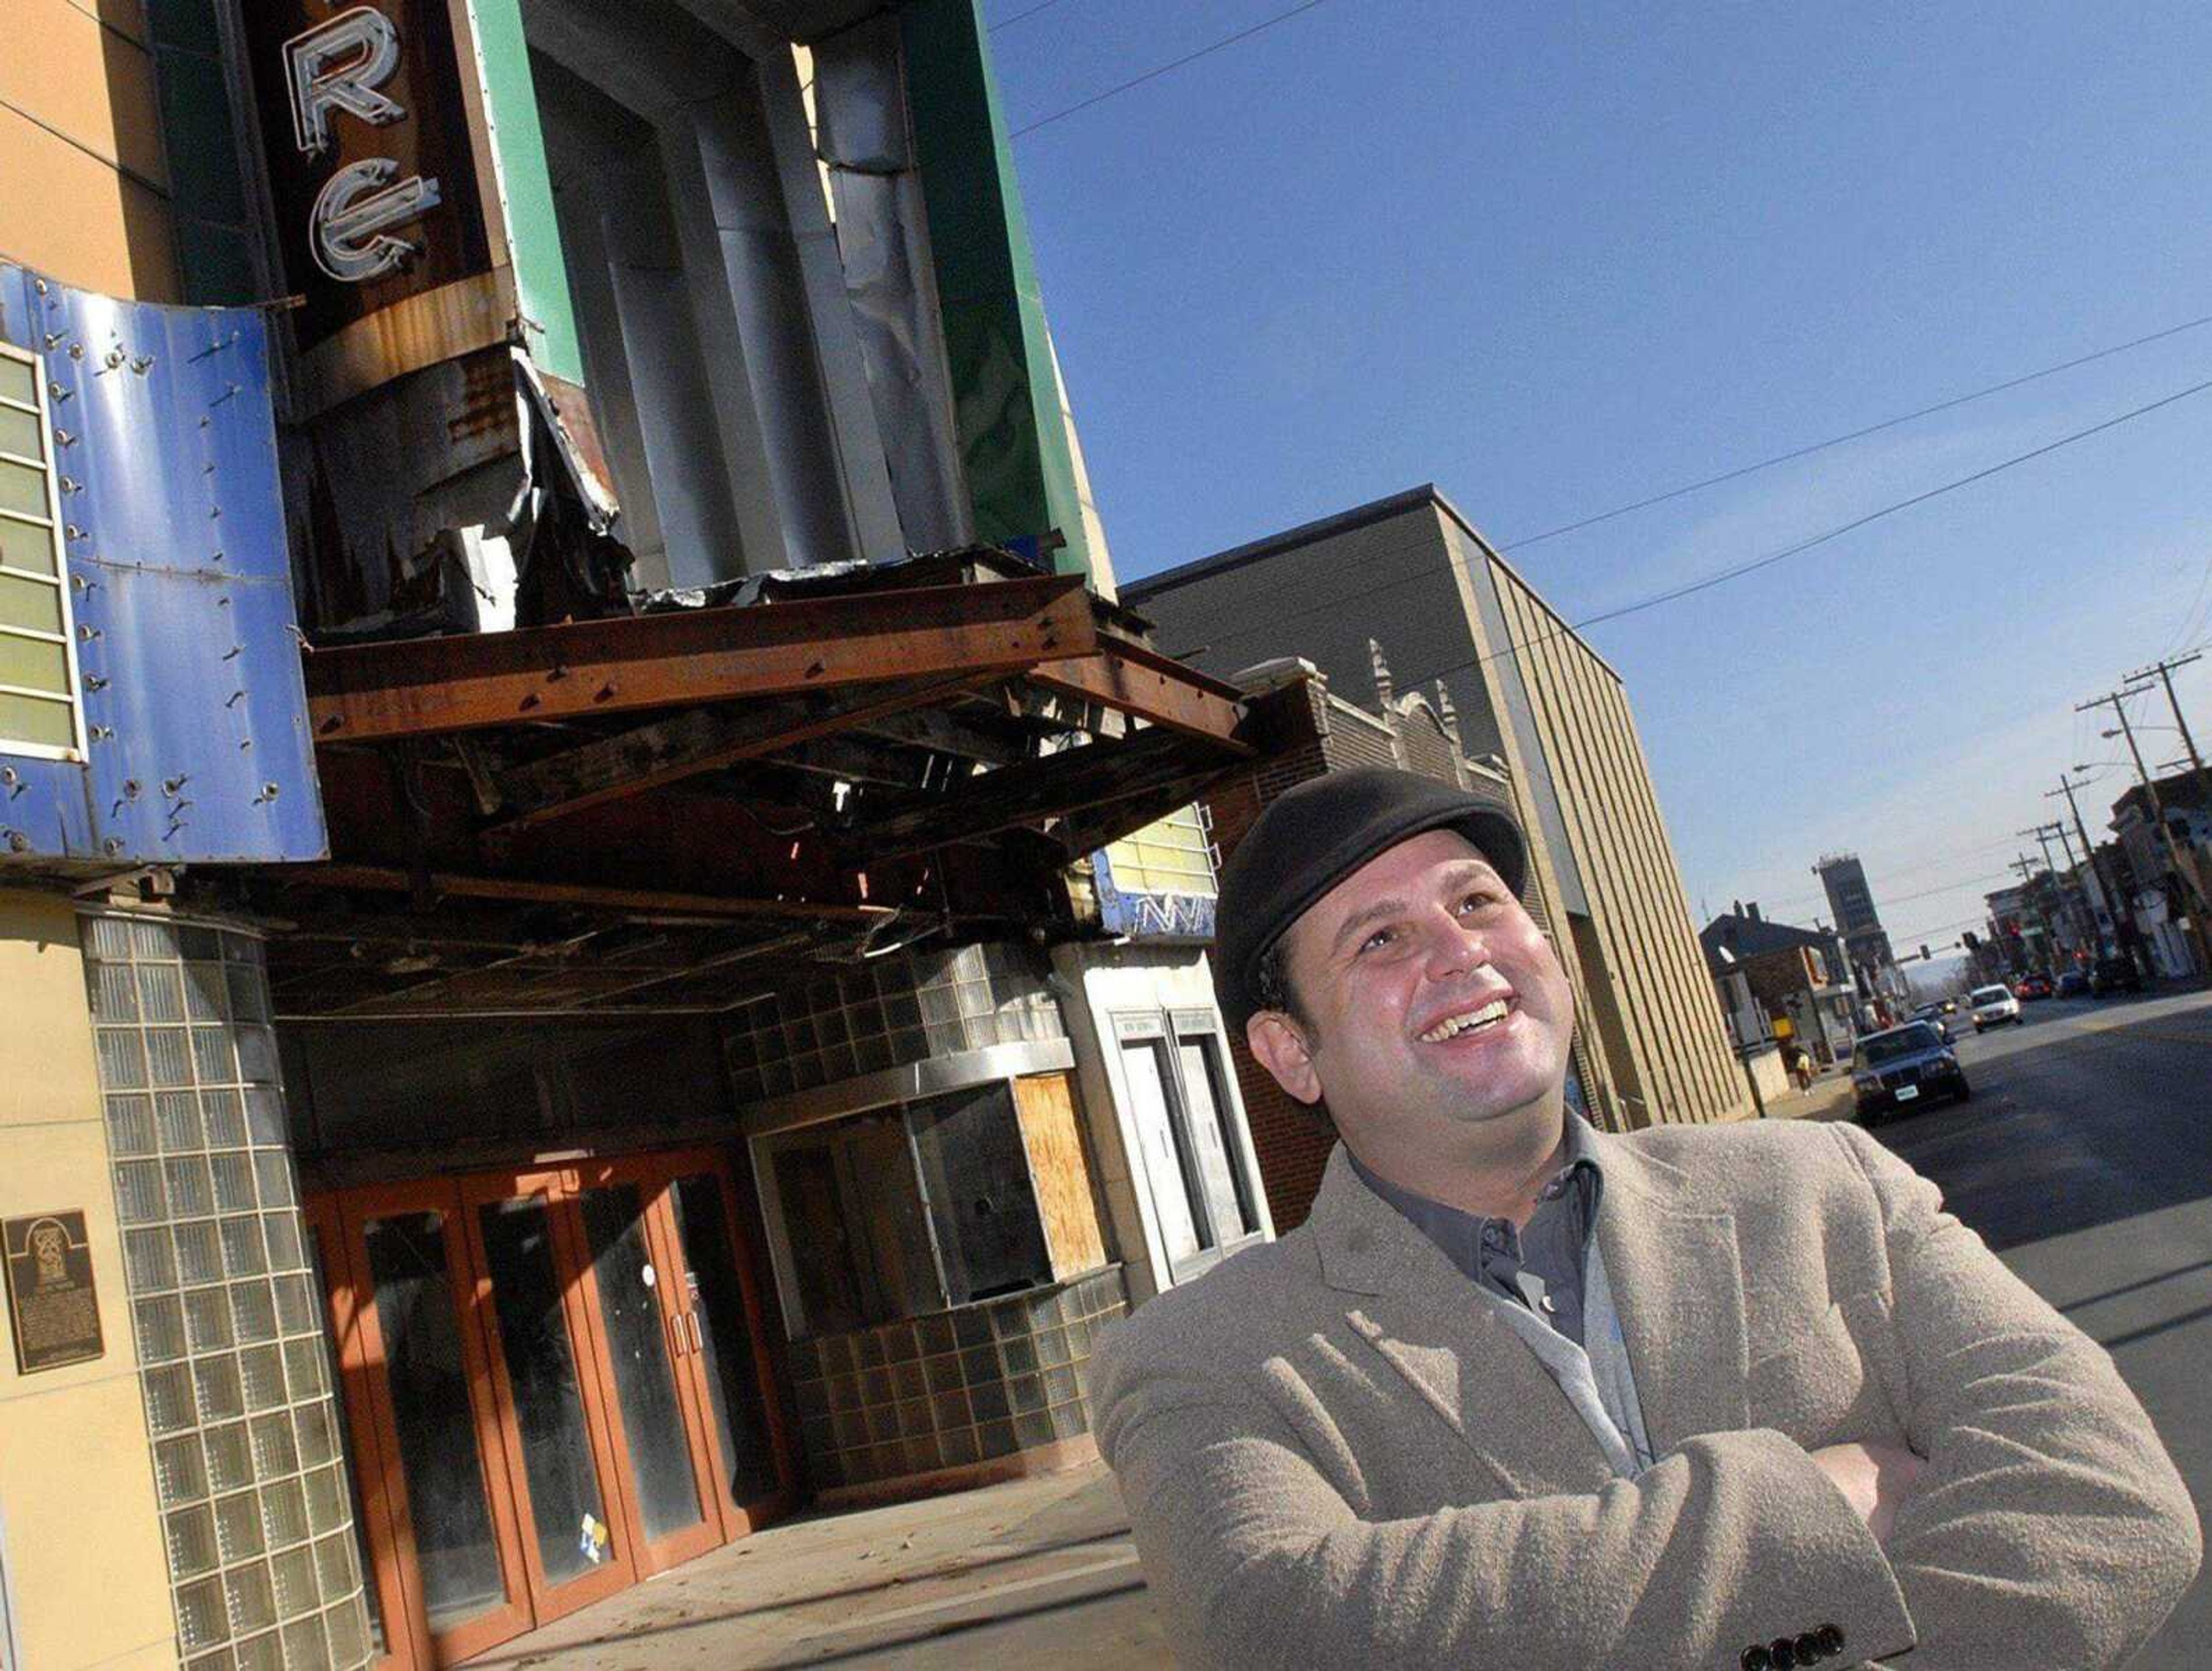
<point x="2074" y="984"/>
<point x="2115" y="974"/>
<point x="1933" y="1014"/>
<point x="2033" y="986"/>
<point x="1894" y="1070"/>
<point x="1993" y="1007"/>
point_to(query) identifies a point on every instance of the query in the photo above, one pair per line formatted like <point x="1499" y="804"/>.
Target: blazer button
<point x="1831" y="1638"/>
<point x="1784" y="1653"/>
<point x="1756" y="1658"/>
<point x="1810" y="1649"/>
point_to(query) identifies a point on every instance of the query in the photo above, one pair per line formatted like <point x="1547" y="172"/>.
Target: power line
<point x="1223" y="44"/>
<point x="1738" y="571"/>
<point x="1008" y="22"/>
<point x="1724" y="476"/>
<point x="1795" y="453"/>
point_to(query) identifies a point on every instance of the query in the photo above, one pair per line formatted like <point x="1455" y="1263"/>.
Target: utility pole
<point x="2042" y="834"/>
<point x="2026" y="867"/>
<point x="2066" y="787"/>
<point x="2164" y="672"/>
<point x="2185" y="868"/>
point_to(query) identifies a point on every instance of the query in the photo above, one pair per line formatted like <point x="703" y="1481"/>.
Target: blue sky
<point x="1557" y="260"/>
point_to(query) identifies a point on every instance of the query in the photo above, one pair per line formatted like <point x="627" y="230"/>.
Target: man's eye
<point x="1380" y="938"/>
<point x="1477" y="901"/>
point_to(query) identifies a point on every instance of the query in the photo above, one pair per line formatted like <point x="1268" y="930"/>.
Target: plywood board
<point x="1046" y="1104"/>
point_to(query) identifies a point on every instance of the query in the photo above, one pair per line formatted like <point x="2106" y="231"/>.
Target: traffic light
<point x="1924" y="954"/>
<point x="1971" y="940"/>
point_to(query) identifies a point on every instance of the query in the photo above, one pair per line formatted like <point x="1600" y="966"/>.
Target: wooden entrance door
<point x="555" y="1382"/>
<point x="662" y="1232"/>
<point x="456" y="1579"/>
<point x="527" y="1256"/>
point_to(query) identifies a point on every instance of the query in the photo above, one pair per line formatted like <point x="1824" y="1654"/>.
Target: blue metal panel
<point x="188" y="644"/>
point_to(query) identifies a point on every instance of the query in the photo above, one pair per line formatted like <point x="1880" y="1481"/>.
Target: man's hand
<point x="1874" y="1478"/>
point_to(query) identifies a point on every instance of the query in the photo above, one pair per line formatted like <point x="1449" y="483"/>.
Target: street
<point x="2085" y="1159"/>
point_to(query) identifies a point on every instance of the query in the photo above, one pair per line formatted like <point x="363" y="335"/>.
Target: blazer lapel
<point x="1678" y="1288"/>
<point x="1446" y="1339"/>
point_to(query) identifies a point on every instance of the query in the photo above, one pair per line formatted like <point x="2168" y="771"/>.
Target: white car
<point x="1993" y="1007"/>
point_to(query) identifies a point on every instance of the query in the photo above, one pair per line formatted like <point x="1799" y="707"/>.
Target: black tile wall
<point x="955" y="1387"/>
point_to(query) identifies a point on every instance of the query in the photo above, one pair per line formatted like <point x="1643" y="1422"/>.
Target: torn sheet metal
<point x="450" y="500"/>
<point x="883" y="237"/>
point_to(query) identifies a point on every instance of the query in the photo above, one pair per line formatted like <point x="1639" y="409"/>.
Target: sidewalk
<point x="1829" y="1099"/>
<point x="901" y="1585"/>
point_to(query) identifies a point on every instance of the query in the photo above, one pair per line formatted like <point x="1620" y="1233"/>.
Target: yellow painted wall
<point x="85" y="1563"/>
<point x="84" y="189"/>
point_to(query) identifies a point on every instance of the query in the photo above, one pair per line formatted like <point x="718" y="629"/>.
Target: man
<point x="1522" y="1395"/>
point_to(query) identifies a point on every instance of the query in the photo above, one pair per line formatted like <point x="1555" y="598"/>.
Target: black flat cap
<point x="1320" y="833"/>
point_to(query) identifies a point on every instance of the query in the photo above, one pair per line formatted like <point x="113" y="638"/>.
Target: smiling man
<point x="1519" y="1392"/>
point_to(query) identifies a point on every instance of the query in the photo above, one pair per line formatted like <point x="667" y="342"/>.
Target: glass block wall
<point x="234" y="1360"/>
<point x="955" y="1388"/>
<point x="887" y="1014"/>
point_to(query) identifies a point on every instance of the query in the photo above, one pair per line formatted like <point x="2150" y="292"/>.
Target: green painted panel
<point x="27" y="719"/>
<point x="23" y="488"/>
<point x="33" y="664"/>
<point x="27" y="546"/>
<point x="1021" y="477"/>
<point x="36" y="604"/>
<point x="541" y="274"/>
<point x="19" y="433"/>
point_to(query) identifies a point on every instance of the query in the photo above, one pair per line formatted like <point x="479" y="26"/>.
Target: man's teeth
<point x="1453" y="1026"/>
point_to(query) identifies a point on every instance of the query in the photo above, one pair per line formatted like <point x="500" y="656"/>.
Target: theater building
<point x="592" y="876"/>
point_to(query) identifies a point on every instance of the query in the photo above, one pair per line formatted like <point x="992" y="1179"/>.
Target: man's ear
<point x="1281" y="1048"/>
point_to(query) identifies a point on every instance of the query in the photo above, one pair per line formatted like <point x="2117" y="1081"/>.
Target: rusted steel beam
<point x="703" y="739"/>
<point x="1147" y="686"/>
<point x="1074" y="780"/>
<point x="391" y="880"/>
<point x="425" y="685"/>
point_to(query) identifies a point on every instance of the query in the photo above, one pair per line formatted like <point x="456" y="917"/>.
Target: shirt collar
<point x="1582" y="1171"/>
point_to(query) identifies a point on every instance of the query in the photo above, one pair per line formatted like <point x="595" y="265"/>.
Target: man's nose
<point x="1454" y="947"/>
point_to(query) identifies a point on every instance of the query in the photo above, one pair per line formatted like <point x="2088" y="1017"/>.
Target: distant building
<point x="1865" y="943"/>
<point x="1527" y="694"/>
<point x="2159" y="895"/>
<point x="1795" y="976"/>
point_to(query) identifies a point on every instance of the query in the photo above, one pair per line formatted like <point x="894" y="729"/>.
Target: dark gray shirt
<point x="1543" y="1264"/>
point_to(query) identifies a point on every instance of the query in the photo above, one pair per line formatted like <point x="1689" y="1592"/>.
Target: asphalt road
<point x="2085" y="1159"/>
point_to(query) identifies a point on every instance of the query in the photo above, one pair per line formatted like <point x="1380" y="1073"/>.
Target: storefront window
<point x="898" y="1213"/>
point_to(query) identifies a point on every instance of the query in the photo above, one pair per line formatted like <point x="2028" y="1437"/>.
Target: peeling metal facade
<point x="186" y="641"/>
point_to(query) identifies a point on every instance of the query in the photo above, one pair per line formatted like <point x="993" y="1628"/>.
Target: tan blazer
<point x="1336" y="1453"/>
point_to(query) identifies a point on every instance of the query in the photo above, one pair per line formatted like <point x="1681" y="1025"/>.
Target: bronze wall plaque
<point x="52" y="1310"/>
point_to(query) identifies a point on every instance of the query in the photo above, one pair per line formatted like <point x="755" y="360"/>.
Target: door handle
<point x="696" y="1343"/>
<point x="676" y="1333"/>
